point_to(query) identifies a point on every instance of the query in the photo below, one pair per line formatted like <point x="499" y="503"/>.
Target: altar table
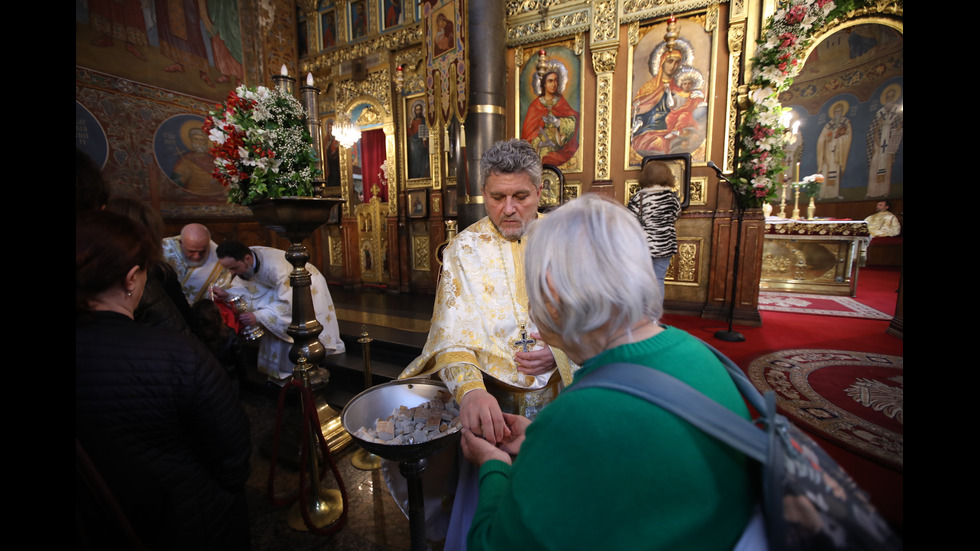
<point x="813" y="256"/>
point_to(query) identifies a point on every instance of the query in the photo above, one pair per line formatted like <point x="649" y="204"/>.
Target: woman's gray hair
<point x="511" y="157"/>
<point x="596" y="255"/>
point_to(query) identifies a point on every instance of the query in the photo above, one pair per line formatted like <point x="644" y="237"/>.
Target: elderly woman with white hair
<point x="598" y="468"/>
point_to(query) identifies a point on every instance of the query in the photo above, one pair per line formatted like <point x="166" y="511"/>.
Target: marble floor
<point x="374" y="521"/>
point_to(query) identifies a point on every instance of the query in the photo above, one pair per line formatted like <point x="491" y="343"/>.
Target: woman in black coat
<point x="163" y="442"/>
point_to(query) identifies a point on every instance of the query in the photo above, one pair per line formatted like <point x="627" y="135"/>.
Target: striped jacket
<point x="657" y="208"/>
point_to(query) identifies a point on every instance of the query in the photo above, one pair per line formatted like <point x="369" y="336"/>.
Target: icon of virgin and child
<point x="669" y="111"/>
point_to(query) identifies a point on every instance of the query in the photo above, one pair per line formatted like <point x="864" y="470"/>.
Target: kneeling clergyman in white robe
<point x="270" y="295"/>
<point x="195" y="280"/>
<point x="480" y="319"/>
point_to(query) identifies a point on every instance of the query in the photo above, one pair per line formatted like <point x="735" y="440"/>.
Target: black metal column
<point x="485" y="121"/>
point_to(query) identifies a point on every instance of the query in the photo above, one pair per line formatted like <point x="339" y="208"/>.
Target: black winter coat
<point x="162" y="423"/>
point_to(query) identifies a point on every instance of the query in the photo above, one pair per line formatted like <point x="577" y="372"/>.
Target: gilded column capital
<point x="736" y="38"/>
<point x="604" y="61"/>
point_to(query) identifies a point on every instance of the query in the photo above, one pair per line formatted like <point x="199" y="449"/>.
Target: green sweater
<point x="600" y="469"/>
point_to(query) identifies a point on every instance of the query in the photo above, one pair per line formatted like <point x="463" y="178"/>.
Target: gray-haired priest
<point x="192" y="255"/>
<point x="481" y="342"/>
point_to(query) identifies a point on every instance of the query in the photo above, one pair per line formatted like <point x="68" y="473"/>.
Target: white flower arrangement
<point x="787" y="35"/>
<point x="261" y="146"/>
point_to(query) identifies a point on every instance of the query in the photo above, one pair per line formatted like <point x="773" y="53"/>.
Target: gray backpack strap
<point x="742" y="382"/>
<point x="679" y="398"/>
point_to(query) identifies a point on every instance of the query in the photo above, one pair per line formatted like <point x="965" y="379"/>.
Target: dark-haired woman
<point x="156" y="416"/>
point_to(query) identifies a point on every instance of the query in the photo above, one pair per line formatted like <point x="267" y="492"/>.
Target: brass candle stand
<point x="782" y="202"/>
<point x="296" y="218"/>
<point x="363" y="459"/>
<point x="796" y="203"/>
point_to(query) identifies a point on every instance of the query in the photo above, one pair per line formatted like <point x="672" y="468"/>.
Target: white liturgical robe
<point x="195" y="280"/>
<point x="270" y="295"/>
<point x="883" y="224"/>
<point x="481" y="304"/>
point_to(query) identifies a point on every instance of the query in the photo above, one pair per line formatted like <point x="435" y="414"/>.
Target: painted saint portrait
<point x="192" y="46"/>
<point x="181" y="149"/>
<point x="358" y="19"/>
<point x="417" y="139"/>
<point x="847" y="109"/>
<point x="833" y="148"/>
<point x="669" y="111"/>
<point x="444" y="31"/>
<point x="550" y="104"/>
<point x="884" y="140"/>
<point x="328" y="28"/>
<point x="393" y="13"/>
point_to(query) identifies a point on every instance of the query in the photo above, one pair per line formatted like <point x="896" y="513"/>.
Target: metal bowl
<point x="379" y="402"/>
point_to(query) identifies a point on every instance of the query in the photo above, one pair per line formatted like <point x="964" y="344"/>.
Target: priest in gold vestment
<point x="482" y="342"/>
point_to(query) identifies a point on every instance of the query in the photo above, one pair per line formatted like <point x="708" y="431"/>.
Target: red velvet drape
<point x="372" y="158"/>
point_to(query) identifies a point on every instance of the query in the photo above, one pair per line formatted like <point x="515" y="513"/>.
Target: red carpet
<point x="850" y="398"/>
<point x="784" y="331"/>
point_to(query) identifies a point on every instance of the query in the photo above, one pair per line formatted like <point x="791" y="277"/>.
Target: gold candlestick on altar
<point x="796" y="204"/>
<point x="782" y="202"/>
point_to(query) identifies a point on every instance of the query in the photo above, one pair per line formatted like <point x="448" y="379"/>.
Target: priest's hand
<point x="518" y="426"/>
<point x="480" y="413"/>
<point x="535" y="362"/>
<point x="219" y="293"/>
<point x="248" y="318"/>
<point x="478" y="451"/>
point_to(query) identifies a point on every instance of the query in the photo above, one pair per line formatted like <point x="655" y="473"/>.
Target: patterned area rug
<point x="853" y="399"/>
<point x="817" y="304"/>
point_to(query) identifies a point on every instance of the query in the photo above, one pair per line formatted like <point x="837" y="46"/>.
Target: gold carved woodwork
<point x="637" y="10"/>
<point x="421" y="253"/>
<point x="435" y="160"/>
<point x="535" y="21"/>
<point x="603" y="122"/>
<point x="605" y="21"/>
<point x="375" y="90"/>
<point x="699" y="190"/>
<point x="413" y="66"/>
<point x="737" y="11"/>
<point x="335" y="246"/>
<point x="372" y="239"/>
<point x="572" y="190"/>
<point x="736" y="36"/>
<point x="604" y="61"/>
<point x="389" y="41"/>
<point x="819" y="258"/>
<point x="685" y="266"/>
